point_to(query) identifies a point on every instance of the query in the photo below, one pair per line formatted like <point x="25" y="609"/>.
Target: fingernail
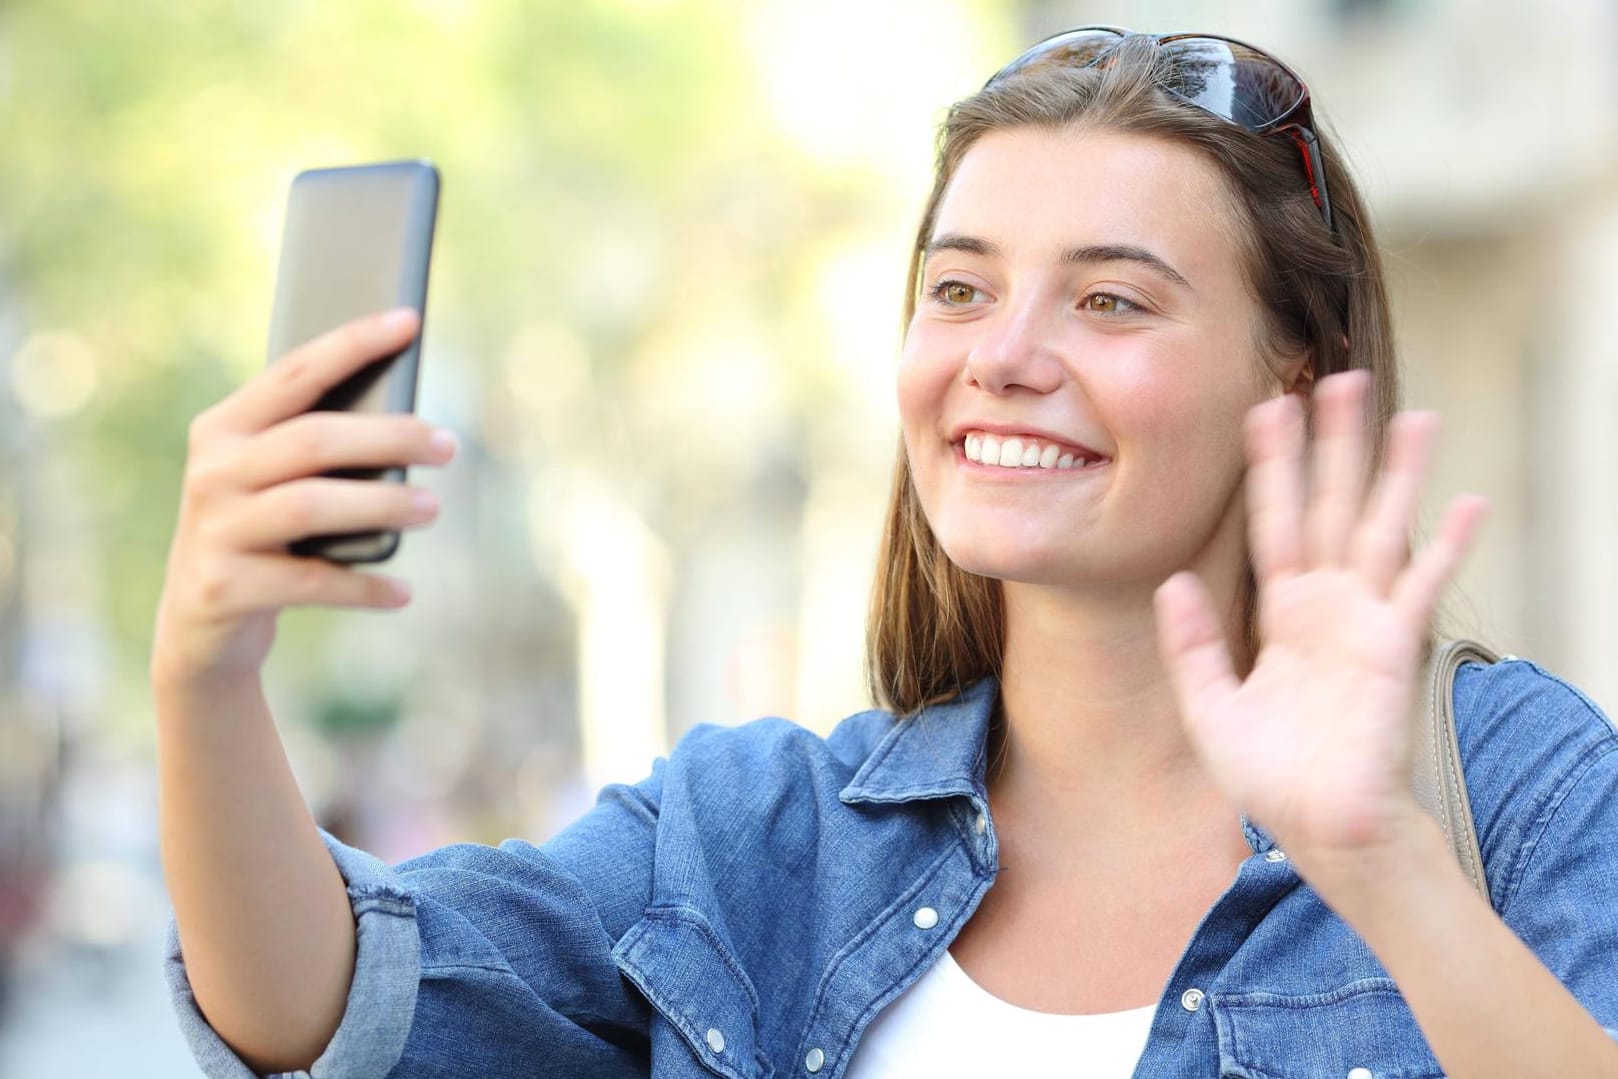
<point x="425" y="502"/>
<point x="443" y="443"/>
<point x="397" y="319"/>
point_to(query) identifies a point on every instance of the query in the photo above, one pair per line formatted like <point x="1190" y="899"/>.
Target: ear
<point x="1303" y="380"/>
<point x="1298" y="375"/>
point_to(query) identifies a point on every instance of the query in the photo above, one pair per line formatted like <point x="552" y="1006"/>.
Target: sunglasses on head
<point x="1230" y="79"/>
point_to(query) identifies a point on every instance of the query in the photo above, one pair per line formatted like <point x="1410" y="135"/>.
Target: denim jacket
<point x="747" y="909"/>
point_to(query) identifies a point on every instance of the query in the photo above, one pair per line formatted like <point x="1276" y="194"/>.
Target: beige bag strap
<point x="1440" y="784"/>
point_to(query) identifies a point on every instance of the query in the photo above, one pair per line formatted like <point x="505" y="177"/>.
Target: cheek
<point x="1187" y="431"/>
<point x="922" y="379"/>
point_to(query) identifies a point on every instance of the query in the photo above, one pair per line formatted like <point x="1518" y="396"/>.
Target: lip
<point x="957" y="438"/>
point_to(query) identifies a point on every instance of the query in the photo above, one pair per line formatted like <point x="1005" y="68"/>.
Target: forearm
<point x="264" y="920"/>
<point x="1486" y="1004"/>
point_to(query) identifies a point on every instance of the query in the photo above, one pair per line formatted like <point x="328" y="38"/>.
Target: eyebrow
<point x="974" y="245"/>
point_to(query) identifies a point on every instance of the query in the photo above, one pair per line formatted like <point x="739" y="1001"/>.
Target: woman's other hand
<point x="1314" y="744"/>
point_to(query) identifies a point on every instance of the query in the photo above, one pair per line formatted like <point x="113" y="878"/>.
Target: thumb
<point x="1193" y="646"/>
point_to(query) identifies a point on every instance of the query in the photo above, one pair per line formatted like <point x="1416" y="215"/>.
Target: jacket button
<point x="1276" y="854"/>
<point x="815" y="1060"/>
<point x="716" y="1040"/>
<point x="1359" y="1073"/>
<point x="925" y="918"/>
<point x="982" y="824"/>
<point x="1191" y="1000"/>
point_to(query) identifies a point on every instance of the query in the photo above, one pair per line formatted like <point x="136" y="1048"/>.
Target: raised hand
<point x="1314" y="744"/>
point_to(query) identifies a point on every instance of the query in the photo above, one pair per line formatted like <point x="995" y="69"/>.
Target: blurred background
<point x="663" y="316"/>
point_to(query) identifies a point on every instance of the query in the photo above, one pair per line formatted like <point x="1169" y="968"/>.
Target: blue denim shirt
<point x="749" y="908"/>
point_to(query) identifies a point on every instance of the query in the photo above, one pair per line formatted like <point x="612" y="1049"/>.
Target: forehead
<point x="1031" y="190"/>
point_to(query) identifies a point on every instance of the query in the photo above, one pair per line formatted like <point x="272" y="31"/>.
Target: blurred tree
<point x="618" y="207"/>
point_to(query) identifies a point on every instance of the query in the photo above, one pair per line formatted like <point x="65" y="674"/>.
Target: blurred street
<point x="86" y="996"/>
<point x="83" y="1015"/>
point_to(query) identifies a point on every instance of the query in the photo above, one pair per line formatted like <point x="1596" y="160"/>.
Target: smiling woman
<point x="1137" y="797"/>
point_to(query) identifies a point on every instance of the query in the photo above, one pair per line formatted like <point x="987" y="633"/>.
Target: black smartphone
<point x="358" y="239"/>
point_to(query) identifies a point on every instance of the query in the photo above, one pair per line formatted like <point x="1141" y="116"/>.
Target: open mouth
<point x="1025" y="452"/>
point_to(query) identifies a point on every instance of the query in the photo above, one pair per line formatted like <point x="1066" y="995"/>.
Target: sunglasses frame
<point x="1296" y="121"/>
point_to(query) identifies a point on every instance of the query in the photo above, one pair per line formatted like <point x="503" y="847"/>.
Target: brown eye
<point x="1105" y="303"/>
<point x="955" y="292"/>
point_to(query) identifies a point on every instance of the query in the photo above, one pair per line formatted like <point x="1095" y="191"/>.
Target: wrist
<point x="178" y="693"/>
<point x="1368" y="886"/>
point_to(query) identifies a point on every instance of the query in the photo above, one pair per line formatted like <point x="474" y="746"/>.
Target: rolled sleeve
<point x="478" y="960"/>
<point x="381" y="999"/>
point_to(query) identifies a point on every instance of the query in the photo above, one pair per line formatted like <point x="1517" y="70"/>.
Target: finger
<point x="270" y="582"/>
<point x="1193" y="647"/>
<point x="1337" y="483"/>
<point x="269" y="520"/>
<point x="1417" y="590"/>
<point x="318" y="442"/>
<point x="1275" y="486"/>
<point x="295" y="382"/>
<point x="1381" y="545"/>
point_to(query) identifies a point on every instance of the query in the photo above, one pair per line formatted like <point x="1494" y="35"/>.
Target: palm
<point x="1314" y="742"/>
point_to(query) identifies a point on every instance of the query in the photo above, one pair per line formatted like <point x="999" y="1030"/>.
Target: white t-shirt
<point x="946" y="1025"/>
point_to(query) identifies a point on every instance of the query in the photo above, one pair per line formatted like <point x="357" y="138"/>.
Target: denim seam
<point x="1549" y="805"/>
<point x="884" y="750"/>
<point x="681" y="914"/>
<point x="449" y="968"/>
<point x="635" y="800"/>
<point x="676" y="914"/>
<point x="1590" y="705"/>
<point x="394" y="906"/>
<point x="953" y="928"/>
<point x="843" y="954"/>
<point x="1362" y="987"/>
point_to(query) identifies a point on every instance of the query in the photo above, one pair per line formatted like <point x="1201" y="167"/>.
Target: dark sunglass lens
<point x="1231" y="80"/>
<point x="1076" y="48"/>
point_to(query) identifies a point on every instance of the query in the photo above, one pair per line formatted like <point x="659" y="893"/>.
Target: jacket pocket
<point x="677" y="961"/>
<point x="1364" y="1030"/>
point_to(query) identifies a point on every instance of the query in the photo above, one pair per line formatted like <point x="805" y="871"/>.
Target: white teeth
<point x="1019" y="453"/>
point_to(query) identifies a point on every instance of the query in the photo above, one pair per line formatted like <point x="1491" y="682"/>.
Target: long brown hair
<point x="934" y="628"/>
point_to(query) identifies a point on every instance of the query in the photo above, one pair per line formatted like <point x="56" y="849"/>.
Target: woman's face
<point x="1073" y="383"/>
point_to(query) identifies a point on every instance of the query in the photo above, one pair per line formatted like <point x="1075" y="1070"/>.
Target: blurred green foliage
<point x="607" y="166"/>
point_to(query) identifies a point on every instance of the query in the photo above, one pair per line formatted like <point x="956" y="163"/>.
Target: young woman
<point x="1139" y="801"/>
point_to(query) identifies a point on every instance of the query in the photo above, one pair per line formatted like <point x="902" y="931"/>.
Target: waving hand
<point x="1314" y="743"/>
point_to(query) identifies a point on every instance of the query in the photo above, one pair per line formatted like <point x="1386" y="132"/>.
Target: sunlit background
<point x="662" y="317"/>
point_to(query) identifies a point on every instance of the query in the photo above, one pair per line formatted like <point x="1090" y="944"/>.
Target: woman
<point x="1141" y="803"/>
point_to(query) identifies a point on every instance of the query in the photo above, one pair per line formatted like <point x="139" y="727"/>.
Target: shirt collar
<point x="940" y="752"/>
<point x="935" y="753"/>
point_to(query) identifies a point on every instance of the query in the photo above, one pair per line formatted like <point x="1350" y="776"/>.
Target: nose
<point x="1016" y="352"/>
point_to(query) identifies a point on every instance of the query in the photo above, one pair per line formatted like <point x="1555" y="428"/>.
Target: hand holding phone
<point x="272" y="469"/>
<point x="257" y="477"/>
<point x="357" y="240"/>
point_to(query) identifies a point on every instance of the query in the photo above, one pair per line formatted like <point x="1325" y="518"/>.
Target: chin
<point x="1026" y="560"/>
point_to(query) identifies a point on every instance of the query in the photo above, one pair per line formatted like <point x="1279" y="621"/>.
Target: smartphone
<point x="358" y="239"/>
